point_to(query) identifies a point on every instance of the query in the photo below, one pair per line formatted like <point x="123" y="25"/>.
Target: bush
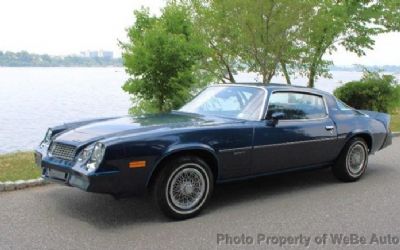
<point x="375" y="91"/>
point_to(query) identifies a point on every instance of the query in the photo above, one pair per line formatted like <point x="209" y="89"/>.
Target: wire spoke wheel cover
<point x="187" y="188"/>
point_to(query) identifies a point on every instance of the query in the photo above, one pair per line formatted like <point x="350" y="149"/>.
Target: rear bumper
<point x="388" y="140"/>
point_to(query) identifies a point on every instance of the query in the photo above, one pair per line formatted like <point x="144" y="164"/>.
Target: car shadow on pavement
<point x="104" y="212"/>
<point x="269" y="186"/>
<point x="294" y="183"/>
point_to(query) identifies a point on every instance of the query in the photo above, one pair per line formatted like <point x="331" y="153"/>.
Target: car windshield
<point x="239" y="102"/>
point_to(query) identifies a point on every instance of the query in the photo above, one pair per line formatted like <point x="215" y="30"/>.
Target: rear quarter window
<point x="342" y="106"/>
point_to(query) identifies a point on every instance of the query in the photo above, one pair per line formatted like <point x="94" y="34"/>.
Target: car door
<point x="303" y="135"/>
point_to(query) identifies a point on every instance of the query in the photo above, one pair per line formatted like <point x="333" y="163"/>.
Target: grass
<point x="18" y="166"/>
<point x="395" y="122"/>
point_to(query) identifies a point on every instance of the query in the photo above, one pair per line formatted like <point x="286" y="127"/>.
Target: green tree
<point x="349" y="23"/>
<point x="286" y="36"/>
<point x="267" y="33"/>
<point x="252" y="36"/>
<point x="216" y="30"/>
<point x="161" y="58"/>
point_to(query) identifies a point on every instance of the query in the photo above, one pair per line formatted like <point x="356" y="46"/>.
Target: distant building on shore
<point x="97" y="54"/>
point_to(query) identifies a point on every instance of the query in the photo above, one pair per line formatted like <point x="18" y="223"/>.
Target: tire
<point x="352" y="161"/>
<point x="183" y="187"/>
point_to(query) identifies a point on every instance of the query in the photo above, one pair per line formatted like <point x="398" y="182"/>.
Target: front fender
<point x="179" y="148"/>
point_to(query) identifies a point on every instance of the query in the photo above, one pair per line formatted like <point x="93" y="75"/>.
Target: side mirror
<point x="275" y="117"/>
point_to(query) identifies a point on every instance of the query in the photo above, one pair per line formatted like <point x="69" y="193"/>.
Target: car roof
<point x="279" y="87"/>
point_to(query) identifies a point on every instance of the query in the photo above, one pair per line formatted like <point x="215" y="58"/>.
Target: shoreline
<point x="338" y="68"/>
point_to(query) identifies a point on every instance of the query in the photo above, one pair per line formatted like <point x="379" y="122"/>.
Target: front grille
<point x="62" y="151"/>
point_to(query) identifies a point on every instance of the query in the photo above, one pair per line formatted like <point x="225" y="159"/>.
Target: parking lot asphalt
<point x="277" y="212"/>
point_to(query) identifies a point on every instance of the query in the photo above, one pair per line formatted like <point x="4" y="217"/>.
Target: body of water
<point x="33" y="99"/>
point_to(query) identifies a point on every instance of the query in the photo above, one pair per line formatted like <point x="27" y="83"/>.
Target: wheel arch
<point x="203" y="151"/>
<point x="364" y="135"/>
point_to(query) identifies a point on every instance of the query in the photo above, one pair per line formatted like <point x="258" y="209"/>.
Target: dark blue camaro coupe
<point x="227" y="132"/>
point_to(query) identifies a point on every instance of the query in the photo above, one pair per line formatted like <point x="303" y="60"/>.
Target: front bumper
<point x="65" y="173"/>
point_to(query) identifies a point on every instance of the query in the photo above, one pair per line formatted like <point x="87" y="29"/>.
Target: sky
<point x="62" y="27"/>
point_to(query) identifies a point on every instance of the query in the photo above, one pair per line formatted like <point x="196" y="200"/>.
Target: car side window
<point x="296" y="105"/>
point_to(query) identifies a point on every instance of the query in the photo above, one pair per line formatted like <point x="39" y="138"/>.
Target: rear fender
<point x="385" y="120"/>
<point x="382" y="117"/>
<point x="365" y="134"/>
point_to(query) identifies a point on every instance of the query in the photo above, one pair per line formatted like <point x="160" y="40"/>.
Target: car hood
<point x="136" y="125"/>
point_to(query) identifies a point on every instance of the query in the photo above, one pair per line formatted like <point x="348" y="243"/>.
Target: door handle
<point x="329" y="128"/>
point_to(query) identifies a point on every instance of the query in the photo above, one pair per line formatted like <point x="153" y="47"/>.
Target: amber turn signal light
<point x="137" y="164"/>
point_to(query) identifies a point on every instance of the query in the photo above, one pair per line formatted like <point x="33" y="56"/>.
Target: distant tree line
<point x="25" y="59"/>
<point x="386" y="68"/>
<point x="195" y="42"/>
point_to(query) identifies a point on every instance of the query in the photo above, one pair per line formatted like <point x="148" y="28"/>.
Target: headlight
<point x="85" y="154"/>
<point x="98" y="152"/>
<point x="91" y="156"/>
<point x="47" y="139"/>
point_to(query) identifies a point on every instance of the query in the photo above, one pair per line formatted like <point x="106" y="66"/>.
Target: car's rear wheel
<point x="353" y="160"/>
<point x="183" y="187"/>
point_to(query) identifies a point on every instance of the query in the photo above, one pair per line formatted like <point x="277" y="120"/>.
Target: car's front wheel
<point x="353" y="160"/>
<point x="183" y="187"/>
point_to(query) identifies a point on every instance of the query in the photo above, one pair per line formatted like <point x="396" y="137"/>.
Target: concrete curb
<point x="395" y="134"/>
<point x="21" y="184"/>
